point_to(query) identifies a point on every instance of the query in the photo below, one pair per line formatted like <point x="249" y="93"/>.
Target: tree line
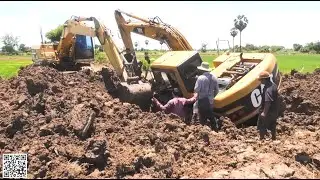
<point x="11" y="45"/>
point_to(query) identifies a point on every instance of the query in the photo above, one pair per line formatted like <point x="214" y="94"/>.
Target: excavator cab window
<point x="188" y="71"/>
<point x="165" y="79"/>
<point x="84" y="47"/>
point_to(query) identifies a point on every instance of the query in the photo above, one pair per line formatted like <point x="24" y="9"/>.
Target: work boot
<point x="262" y="134"/>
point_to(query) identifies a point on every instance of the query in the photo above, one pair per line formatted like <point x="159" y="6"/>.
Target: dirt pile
<point x="301" y="95"/>
<point x="72" y="128"/>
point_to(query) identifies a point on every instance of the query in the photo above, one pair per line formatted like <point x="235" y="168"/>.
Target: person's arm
<point x="191" y="100"/>
<point x="165" y="107"/>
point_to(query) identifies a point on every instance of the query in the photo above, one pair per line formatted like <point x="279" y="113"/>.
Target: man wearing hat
<point x="270" y="106"/>
<point x="206" y="88"/>
<point x="177" y="105"/>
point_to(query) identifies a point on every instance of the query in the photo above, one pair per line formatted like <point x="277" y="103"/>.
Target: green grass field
<point x="302" y="62"/>
<point x="9" y="65"/>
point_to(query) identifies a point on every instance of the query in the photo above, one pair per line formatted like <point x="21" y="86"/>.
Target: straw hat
<point x="204" y="66"/>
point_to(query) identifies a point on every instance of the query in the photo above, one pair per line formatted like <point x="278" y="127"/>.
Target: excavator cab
<point x="176" y="69"/>
<point x="84" y="48"/>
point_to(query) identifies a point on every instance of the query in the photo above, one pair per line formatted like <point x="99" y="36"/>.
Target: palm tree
<point x="240" y="23"/>
<point x="136" y="45"/>
<point x="233" y="33"/>
<point x="204" y="47"/>
<point x="146" y="42"/>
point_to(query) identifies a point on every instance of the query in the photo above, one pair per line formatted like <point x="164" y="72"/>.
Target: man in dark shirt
<point x="270" y="106"/>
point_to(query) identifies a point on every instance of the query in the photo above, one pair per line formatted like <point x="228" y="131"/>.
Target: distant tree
<point x="233" y="33"/>
<point x="136" y="45"/>
<point x="10" y="42"/>
<point x="203" y="47"/>
<point x="250" y="47"/>
<point x="264" y="49"/>
<point x="55" y="34"/>
<point x="22" y="48"/>
<point x="241" y="23"/>
<point x="316" y="47"/>
<point x="276" y="48"/>
<point x="310" y="46"/>
<point x="297" y="47"/>
<point x="304" y="50"/>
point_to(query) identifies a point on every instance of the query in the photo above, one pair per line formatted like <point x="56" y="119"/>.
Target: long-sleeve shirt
<point x="176" y="106"/>
<point x="207" y="86"/>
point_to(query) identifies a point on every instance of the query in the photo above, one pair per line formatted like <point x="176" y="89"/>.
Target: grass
<point x="9" y="65"/>
<point x="302" y="62"/>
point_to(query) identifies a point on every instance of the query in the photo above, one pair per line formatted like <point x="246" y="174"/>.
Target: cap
<point x="263" y="75"/>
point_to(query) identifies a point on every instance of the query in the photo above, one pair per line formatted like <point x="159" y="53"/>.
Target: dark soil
<point x="72" y="128"/>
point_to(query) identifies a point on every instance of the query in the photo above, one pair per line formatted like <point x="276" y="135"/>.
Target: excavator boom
<point x="150" y="28"/>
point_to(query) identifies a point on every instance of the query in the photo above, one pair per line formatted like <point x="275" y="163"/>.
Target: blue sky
<point x="270" y="22"/>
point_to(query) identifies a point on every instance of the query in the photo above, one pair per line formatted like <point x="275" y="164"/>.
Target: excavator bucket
<point x="139" y="93"/>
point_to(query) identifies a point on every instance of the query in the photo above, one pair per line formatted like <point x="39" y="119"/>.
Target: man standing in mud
<point x="206" y="88"/>
<point x="270" y="106"/>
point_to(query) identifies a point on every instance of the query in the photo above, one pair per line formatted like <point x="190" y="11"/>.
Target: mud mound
<point x="72" y="128"/>
<point x="301" y="92"/>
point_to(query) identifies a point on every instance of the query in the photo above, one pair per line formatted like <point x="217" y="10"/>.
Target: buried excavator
<point x="240" y="93"/>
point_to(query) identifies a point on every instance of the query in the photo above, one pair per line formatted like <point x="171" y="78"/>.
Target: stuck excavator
<point x="239" y="98"/>
<point x="240" y="93"/>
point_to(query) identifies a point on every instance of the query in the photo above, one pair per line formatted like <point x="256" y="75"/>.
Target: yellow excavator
<point x="76" y="50"/>
<point x="240" y="92"/>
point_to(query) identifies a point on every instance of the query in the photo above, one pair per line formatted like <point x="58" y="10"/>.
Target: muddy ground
<point x="72" y="128"/>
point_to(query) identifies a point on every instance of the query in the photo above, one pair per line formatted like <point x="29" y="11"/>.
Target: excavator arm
<point x="76" y="26"/>
<point x="154" y="29"/>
